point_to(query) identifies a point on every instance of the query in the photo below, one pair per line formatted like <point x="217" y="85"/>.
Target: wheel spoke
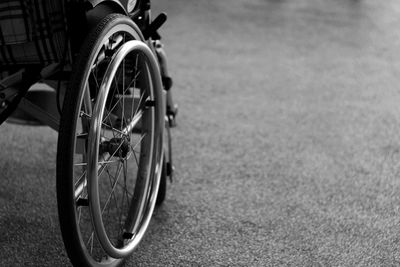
<point x="105" y="125"/>
<point x="123" y="196"/>
<point x="112" y="180"/>
<point x="100" y="162"/>
<point x="133" y="147"/>
<point x="90" y="242"/>
<point x="112" y="190"/>
<point x="113" y="96"/>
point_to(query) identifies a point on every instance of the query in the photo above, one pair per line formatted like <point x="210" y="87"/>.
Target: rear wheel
<point x="101" y="186"/>
<point x="125" y="149"/>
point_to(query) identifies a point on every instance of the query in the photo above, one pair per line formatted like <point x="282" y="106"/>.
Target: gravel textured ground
<point x="287" y="150"/>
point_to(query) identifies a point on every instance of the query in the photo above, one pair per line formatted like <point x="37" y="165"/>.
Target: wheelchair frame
<point x="46" y="112"/>
<point x="108" y="21"/>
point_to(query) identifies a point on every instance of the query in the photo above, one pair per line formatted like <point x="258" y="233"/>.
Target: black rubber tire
<point x="67" y="207"/>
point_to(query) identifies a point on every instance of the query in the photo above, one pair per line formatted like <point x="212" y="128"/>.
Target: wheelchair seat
<point x="32" y="32"/>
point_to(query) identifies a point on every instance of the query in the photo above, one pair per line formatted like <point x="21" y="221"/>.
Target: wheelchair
<point x="96" y="72"/>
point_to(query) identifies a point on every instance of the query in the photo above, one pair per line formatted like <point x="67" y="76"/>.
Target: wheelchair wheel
<point x="110" y="145"/>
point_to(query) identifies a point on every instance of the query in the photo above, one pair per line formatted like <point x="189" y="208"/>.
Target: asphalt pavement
<point x="287" y="148"/>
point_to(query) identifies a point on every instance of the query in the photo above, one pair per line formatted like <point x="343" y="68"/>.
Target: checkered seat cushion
<point x="32" y="32"/>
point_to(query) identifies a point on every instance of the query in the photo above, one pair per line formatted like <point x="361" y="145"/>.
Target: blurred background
<point x="287" y="147"/>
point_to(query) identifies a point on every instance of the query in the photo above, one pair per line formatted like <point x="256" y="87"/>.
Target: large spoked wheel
<point x="110" y="146"/>
<point x="125" y="149"/>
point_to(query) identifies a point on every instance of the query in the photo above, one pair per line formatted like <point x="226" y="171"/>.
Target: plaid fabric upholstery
<point x="32" y="32"/>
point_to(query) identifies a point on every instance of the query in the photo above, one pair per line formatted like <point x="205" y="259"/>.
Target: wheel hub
<point x="117" y="147"/>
